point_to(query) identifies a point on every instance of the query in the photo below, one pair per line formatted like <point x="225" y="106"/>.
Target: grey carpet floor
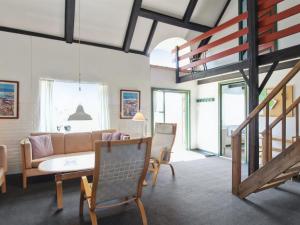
<point x="200" y="194"/>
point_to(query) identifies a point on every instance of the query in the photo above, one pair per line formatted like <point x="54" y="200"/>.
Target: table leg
<point x="59" y="192"/>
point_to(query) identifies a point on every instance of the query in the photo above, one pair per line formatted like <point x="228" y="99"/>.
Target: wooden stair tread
<point x="270" y="185"/>
<point x="284" y="176"/>
<point x="295" y="168"/>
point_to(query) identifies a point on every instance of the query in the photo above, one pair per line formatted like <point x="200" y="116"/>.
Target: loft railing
<point x="267" y="36"/>
<point x="223" y="40"/>
<point x="237" y="134"/>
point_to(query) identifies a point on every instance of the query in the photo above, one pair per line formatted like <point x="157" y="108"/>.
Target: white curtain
<point x="46" y="106"/>
<point x="59" y="99"/>
<point x="104" y="117"/>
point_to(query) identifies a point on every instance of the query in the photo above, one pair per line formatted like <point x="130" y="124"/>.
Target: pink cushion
<point x="41" y="146"/>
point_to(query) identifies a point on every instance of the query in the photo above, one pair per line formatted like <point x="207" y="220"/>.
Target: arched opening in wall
<point x="162" y="55"/>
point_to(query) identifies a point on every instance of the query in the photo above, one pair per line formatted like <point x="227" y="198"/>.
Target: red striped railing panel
<point x="280" y="16"/>
<point x="262" y="5"/>
<point x="280" y="34"/>
<point x="216" y="43"/>
<point x="214" y="30"/>
<point x="219" y="55"/>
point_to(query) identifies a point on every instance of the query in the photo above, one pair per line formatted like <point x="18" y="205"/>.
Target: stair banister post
<point x="236" y="162"/>
<point x="283" y="123"/>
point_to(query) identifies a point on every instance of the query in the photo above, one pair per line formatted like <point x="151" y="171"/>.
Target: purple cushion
<point x="106" y="136"/>
<point x="115" y="136"/>
<point x="41" y="146"/>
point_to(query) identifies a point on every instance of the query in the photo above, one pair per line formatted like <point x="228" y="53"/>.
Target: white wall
<point x="27" y="59"/>
<point x="208" y="118"/>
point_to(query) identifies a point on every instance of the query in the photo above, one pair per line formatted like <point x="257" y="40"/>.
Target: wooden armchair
<point x="3" y="167"/>
<point x="162" y="144"/>
<point x="120" y="169"/>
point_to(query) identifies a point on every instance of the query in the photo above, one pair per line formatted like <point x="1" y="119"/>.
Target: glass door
<point x="232" y="114"/>
<point x="172" y="106"/>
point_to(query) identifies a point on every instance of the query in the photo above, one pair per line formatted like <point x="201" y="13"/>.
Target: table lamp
<point x="139" y="117"/>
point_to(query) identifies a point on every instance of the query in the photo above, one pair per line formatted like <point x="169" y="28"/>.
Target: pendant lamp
<point x="80" y="114"/>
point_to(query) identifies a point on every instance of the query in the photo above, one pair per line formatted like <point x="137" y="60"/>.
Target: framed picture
<point x="130" y="102"/>
<point x="9" y="99"/>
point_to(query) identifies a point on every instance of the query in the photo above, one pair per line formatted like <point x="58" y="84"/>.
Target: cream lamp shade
<point x="139" y="117"/>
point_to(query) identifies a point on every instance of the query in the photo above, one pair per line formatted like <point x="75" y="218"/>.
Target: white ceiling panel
<point x="43" y="16"/>
<point x="175" y="8"/>
<point x="103" y="21"/>
<point x="165" y="31"/>
<point x="141" y="33"/>
<point x="207" y="11"/>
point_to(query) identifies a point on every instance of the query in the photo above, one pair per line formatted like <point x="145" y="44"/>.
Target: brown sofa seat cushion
<point x="78" y="142"/>
<point x="58" y="141"/>
<point x="35" y="163"/>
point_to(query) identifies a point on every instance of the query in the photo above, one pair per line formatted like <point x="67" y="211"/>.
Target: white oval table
<point x="66" y="168"/>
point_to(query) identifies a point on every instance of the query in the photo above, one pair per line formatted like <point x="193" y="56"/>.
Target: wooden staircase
<point x="274" y="171"/>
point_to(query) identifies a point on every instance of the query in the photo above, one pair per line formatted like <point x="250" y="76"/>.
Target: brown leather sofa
<point x="63" y="145"/>
<point x="3" y="167"/>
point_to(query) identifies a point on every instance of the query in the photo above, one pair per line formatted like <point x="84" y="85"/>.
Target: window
<point x="162" y="53"/>
<point x="59" y="99"/>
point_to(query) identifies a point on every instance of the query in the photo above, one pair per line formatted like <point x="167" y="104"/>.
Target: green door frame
<point x="188" y="111"/>
<point x="220" y="111"/>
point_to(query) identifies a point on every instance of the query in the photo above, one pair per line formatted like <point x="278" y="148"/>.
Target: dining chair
<point x="120" y="169"/>
<point x="162" y="144"/>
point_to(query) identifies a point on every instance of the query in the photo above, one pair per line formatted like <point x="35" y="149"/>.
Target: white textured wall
<point x="27" y="59"/>
<point x="208" y="118"/>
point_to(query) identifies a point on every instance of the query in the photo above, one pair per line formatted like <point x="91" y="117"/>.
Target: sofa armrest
<point x="3" y="157"/>
<point x="26" y="151"/>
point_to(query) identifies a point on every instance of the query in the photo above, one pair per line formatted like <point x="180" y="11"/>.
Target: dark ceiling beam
<point x="150" y="37"/>
<point x="137" y="4"/>
<point x="57" y="38"/>
<point x="69" y="20"/>
<point x="236" y="75"/>
<point x="206" y="41"/>
<point x="189" y="11"/>
<point x="172" y="20"/>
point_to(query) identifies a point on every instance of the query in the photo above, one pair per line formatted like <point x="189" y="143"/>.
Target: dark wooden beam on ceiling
<point x="206" y="41"/>
<point x="57" y="38"/>
<point x="280" y="55"/>
<point x="150" y="37"/>
<point x="137" y="4"/>
<point x="69" y="20"/>
<point x="172" y="20"/>
<point x="189" y="10"/>
<point x="237" y="75"/>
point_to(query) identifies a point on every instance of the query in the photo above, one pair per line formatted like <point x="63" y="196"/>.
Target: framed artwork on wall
<point x="9" y="99"/>
<point x="130" y="103"/>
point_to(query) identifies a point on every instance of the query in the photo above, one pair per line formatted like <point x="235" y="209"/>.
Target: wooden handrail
<point x="266" y="101"/>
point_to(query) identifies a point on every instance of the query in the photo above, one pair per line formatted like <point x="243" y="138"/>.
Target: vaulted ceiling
<point x="129" y="25"/>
